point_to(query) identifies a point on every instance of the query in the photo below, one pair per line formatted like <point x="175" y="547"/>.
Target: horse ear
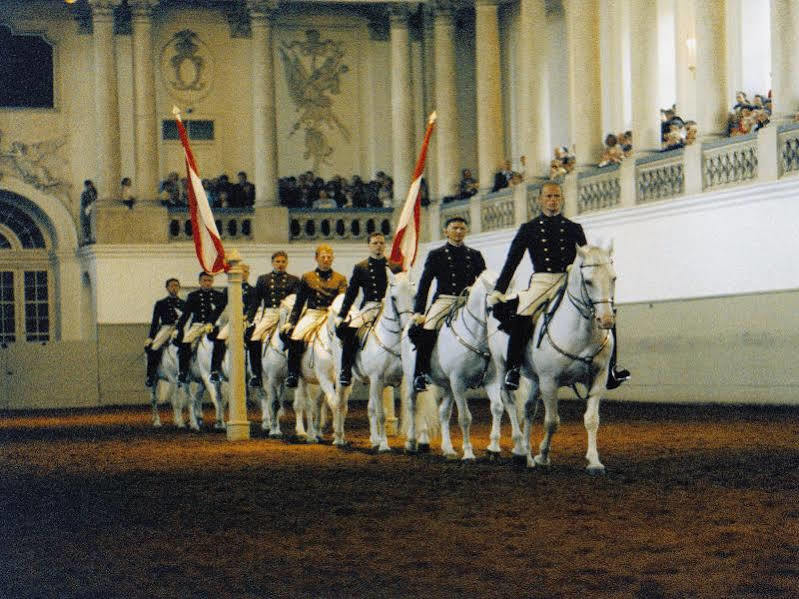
<point x="609" y="247"/>
<point x="580" y="251"/>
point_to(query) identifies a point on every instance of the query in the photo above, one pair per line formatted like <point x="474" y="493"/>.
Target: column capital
<point x="104" y="8"/>
<point x="398" y="14"/>
<point x="142" y="9"/>
<point x="261" y="9"/>
<point x="479" y="3"/>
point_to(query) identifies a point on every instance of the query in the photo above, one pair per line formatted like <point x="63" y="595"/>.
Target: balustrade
<point x="458" y="208"/>
<point x="497" y="210"/>
<point x="729" y="161"/>
<point x="788" y="139"/>
<point x="659" y="176"/>
<point x="335" y="224"/>
<point x="232" y="223"/>
<point x="599" y="188"/>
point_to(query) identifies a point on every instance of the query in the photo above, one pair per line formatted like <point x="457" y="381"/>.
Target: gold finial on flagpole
<point x="176" y="111"/>
<point x="432" y="118"/>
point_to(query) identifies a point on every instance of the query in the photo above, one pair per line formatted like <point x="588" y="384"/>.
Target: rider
<point x="165" y="314"/>
<point x="220" y="339"/>
<point x="551" y="240"/>
<point x="270" y="290"/>
<point x="203" y="306"/>
<point x="454" y="267"/>
<point x="370" y="275"/>
<point x="318" y="289"/>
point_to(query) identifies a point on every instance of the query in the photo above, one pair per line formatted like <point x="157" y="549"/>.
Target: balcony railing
<point x="659" y="176"/>
<point x="497" y="210"/>
<point x="788" y="141"/>
<point x="458" y="208"/>
<point x="729" y="161"/>
<point x="339" y="224"/>
<point x="232" y="223"/>
<point x="599" y="188"/>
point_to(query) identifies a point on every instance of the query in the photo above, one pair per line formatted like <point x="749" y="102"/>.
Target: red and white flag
<point x="207" y="243"/>
<point x="406" y="238"/>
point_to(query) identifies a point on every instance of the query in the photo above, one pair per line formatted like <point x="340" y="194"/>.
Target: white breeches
<point x="437" y="311"/>
<point x="265" y="324"/>
<point x="163" y="335"/>
<point x="365" y="315"/>
<point x="308" y="323"/>
<point x="195" y="330"/>
<point x="542" y="286"/>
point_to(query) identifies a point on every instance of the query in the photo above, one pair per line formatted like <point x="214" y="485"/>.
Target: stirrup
<point x="182" y="379"/>
<point x="345" y="379"/>
<point x="214" y="376"/>
<point x="256" y="382"/>
<point x="292" y="380"/>
<point x="512" y="379"/>
<point x="150" y="382"/>
<point x="616" y="378"/>
<point x="420" y="383"/>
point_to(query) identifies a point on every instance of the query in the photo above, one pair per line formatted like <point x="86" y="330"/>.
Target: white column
<point x="446" y="136"/>
<point x="615" y="102"/>
<point x="144" y="117"/>
<point x="734" y="26"/>
<point x="263" y="104"/>
<point x="712" y="104"/>
<point x="585" y="116"/>
<point x="401" y="103"/>
<point x="784" y="63"/>
<point x="644" y="76"/>
<point x="490" y="137"/>
<point x="685" y="46"/>
<point x="238" y="426"/>
<point x="534" y="88"/>
<point x="105" y="99"/>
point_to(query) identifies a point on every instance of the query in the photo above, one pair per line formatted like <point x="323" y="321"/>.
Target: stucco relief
<point x="313" y="69"/>
<point x="34" y="163"/>
<point x="187" y="67"/>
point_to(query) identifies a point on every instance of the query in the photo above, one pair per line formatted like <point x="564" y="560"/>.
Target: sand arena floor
<point x="696" y="502"/>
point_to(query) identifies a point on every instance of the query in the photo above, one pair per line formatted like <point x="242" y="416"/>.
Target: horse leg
<point x="549" y="395"/>
<point x="444" y="416"/>
<point x="494" y="391"/>
<point x="410" y="416"/>
<point x="529" y="415"/>
<point x="194" y="405"/>
<point x="177" y="400"/>
<point x="591" y="420"/>
<point x="300" y="408"/>
<point x="377" y="416"/>
<point x="215" y="391"/>
<point x="465" y="421"/>
<point x="154" y="403"/>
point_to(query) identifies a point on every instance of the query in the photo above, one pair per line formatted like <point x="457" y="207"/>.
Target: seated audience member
<point x="468" y="185"/>
<point x="502" y="177"/>
<point x="243" y="192"/>
<point x="126" y="193"/>
<point x="169" y="190"/>
<point x="613" y="154"/>
<point x="626" y="143"/>
<point x="184" y="192"/>
<point x="224" y="190"/>
<point x="691" y="131"/>
<point x="562" y="164"/>
<point x="324" y="202"/>
<point x="210" y="193"/>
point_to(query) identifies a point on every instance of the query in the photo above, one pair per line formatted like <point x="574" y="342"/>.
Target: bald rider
<point x="370" y="277"/>
<point x="551" y="241"/>
<point x="203" y="308"/>
<point x="165" y="314"/>
<point x="220" y="339"/>
<point x="453" y="267"/>
<point x="318" y="289"/>
<point x="270" y="290"/>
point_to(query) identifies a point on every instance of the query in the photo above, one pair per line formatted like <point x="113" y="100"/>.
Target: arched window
<point x="25" y="275"/>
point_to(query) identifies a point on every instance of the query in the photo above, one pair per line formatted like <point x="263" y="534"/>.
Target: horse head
<point x="478" y="292"/>
<point x="592" y="284"/>
<point x="399" y="296"/>
<point x="286" y="306"/>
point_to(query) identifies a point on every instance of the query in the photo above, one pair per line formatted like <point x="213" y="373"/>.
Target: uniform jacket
<point x="318" y="289"/>
<point x="166" y="312"/>
<point x="369" y="275"/>
<point x="247" y="297"/>
<point x="550" y="240"/>
<point x="271" y="289"/>
<point x="203" y="306"/>
<point x="453" y="267"/>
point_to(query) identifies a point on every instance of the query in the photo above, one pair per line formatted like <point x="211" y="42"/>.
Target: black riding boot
<point x="616" y="377"/>
<point x="153" y="358"/>
<point x="255" y="348"/>
<point x="349" y="344"/>
<point x="296" y="349"/>
<point x="216" y="360"/>
<point x="520" y="333"/>
<point x="184" y="357"/>
<point x="426" y="341"/>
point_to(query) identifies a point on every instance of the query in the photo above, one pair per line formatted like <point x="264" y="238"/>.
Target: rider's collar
<point x="551" y="218"/>
<point x="324" y="274"/>
<point x="455" y="245"/>
<point x="373" y="259"/>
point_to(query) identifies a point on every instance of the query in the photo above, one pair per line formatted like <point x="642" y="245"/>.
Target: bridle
<point x="383" y="315"/>
<point x="585" y="304"/>
<point x="483" y="324"/>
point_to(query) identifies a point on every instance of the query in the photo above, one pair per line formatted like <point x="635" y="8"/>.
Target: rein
<point x="450" y="321"/>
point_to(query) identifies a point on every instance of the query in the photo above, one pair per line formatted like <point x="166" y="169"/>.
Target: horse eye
<point x="589" y="283"/>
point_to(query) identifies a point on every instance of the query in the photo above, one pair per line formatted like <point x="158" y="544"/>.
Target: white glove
<point x="148" y="343"/>
<point x="338" y="321"/>
<point x="285" y="328"/>
<point x="418" y="319"/>
<point x="208" y="327"/>
<point x="494" y="298"/>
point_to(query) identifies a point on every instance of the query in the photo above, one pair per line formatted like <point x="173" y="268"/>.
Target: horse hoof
<point x="275" y="436"/>
<point x="469" y="460"/>
<point x="493" y="456"/>
<point x="539" y="461"/>
<point x="595" y="470"/>
<point x="157" y="424"/>
<point x="384" y="450"/>
<point x="451" y="457"/>
<point x="519" y="461"/>
<point x="411" y="448"/>
<point x="424" y="447"/>
<point x="219" y="426"/>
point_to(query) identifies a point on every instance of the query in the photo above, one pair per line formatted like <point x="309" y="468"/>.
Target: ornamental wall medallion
<point x="187" y="67"/>
<point x="313" y="69"/>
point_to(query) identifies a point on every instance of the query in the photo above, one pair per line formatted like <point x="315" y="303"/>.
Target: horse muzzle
<point x="605" y="321"/>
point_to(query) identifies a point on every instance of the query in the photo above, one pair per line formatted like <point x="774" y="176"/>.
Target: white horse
<point x="378" y="363"/>
<point x="168" y="373"/>
<point x="200" y="373"/>
<point x="460" y="361"/>
<point x="574" y="348"/>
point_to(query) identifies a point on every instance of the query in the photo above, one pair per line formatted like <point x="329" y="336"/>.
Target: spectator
<point x="626" y="143"/>
<point x="184" y="192"/>
<point x="468" y="185"/>
<point x="169" y="190"/>
<point x="324" y="202"/>
<point x="224" y="190"/>
<point x="126" y="193"/>
<point x="502" y="177"/>
<point x="210" y="193"/>
<point x="88" y="200"/>
<point x="243" y="192"/>
<point x="613" y="154"/>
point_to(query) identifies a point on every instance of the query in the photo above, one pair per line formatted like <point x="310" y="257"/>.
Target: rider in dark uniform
<point x="551" y="241"/>
<point x="318" y="289"/>
<point x="203" y="306"/>
<point x="454" y="268"/>
<point x="270" y="290"/>
<point x="165" y="314"/>
<point x="220" y="339"/>
<point x="371" y="277"/>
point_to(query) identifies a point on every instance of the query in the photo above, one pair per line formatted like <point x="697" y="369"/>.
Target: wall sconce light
<point x="690" y="44"/>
